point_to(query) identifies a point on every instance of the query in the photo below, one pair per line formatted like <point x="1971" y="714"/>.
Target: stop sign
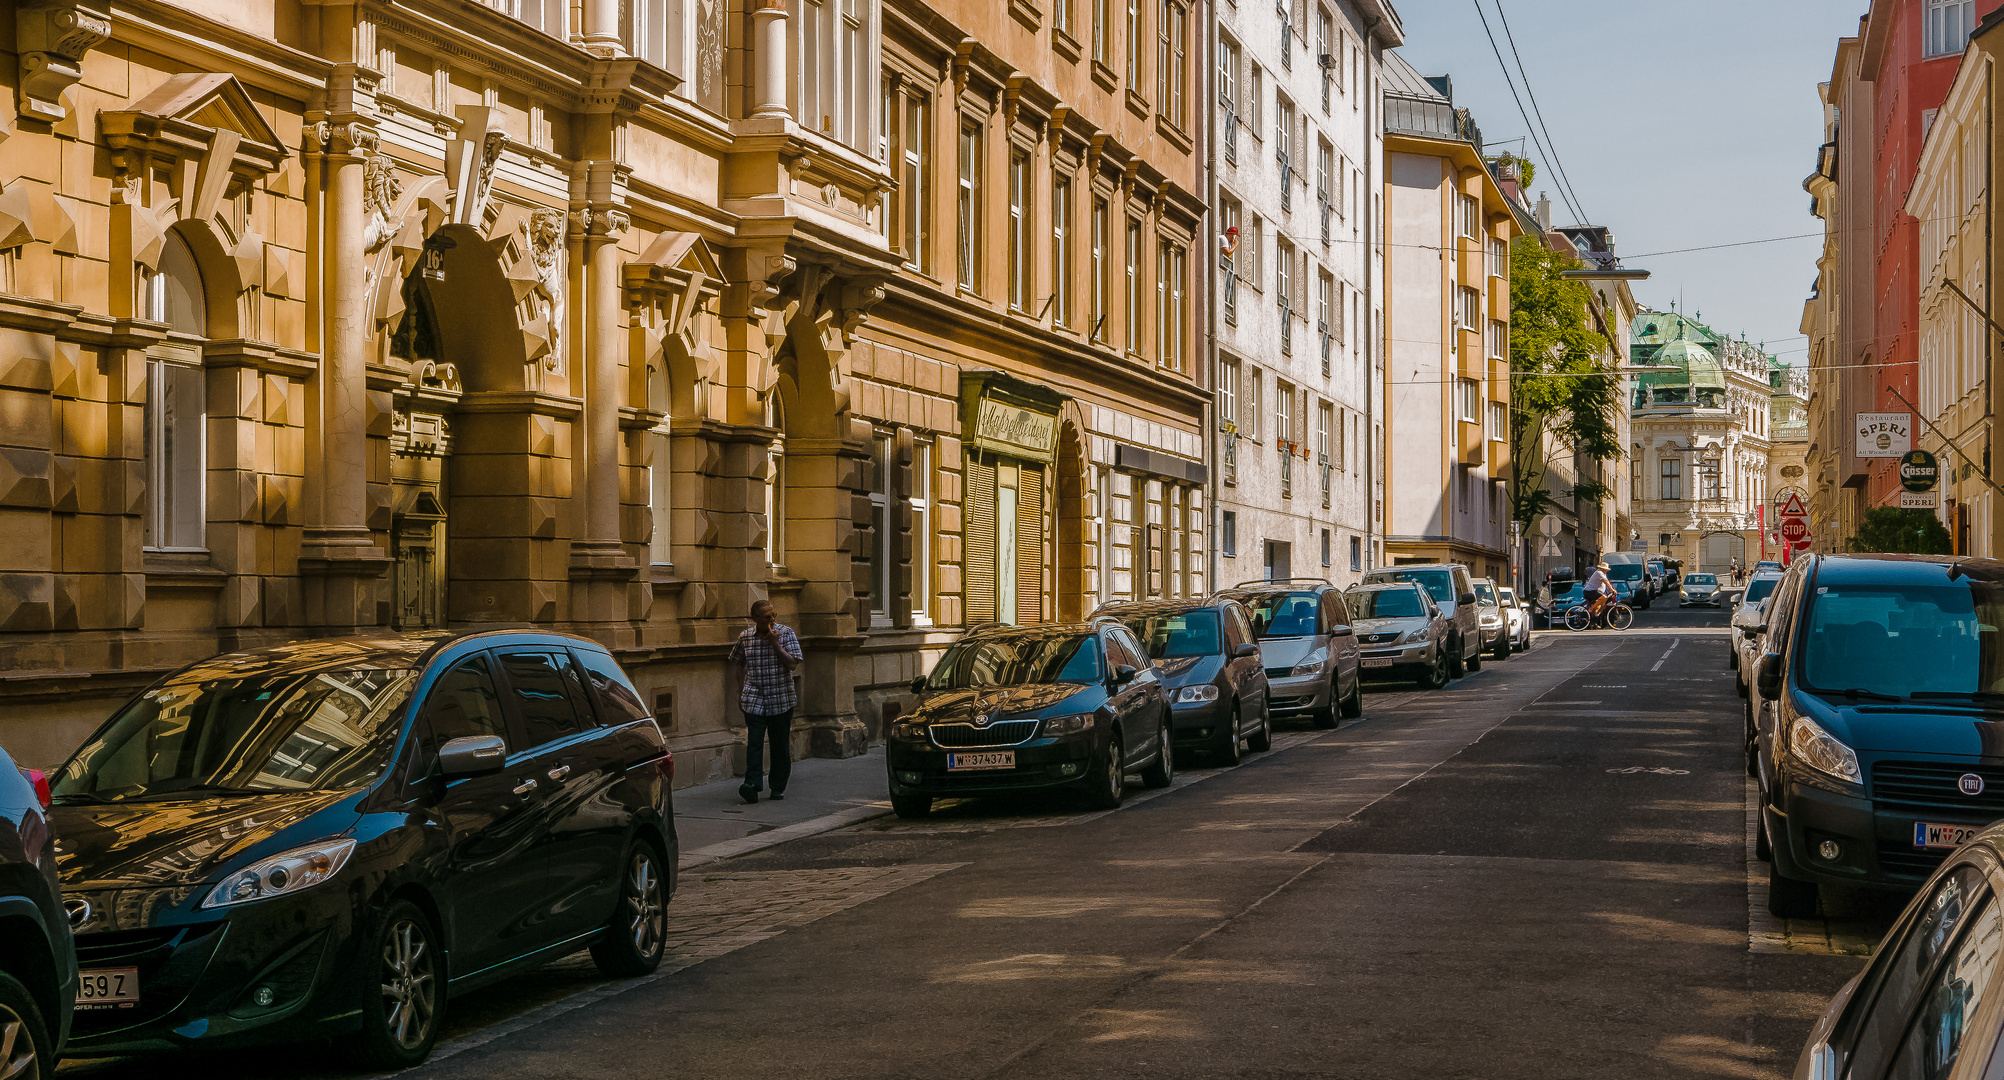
<point x="1794" y="530"/>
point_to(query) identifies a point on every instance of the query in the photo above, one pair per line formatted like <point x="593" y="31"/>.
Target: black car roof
<point x="1156" y="607"/>
<point x="387" y="650"/>
<point x="1036" y="630"/>
<point x="1890" y="569"/>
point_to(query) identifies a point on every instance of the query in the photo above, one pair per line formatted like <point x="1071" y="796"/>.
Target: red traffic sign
<point x="1792" y="507"/>
<point x="1794" y="530"/>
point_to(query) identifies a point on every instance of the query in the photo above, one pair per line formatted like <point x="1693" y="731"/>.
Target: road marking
<point x="1667" y="652"/>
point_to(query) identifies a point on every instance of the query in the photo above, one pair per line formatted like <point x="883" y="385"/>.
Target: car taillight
<point x="41" y="781"/>
<point x="666" y="765"/>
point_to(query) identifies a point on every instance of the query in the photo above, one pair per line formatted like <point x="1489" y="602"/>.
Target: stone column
<point x="769" y="42"/>
<point x="601" y="21"/>
<point x="600" y="566"/>
<point x="338" y="555"/>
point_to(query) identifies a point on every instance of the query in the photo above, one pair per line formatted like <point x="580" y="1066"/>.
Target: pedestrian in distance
<point x="763" y="661"/>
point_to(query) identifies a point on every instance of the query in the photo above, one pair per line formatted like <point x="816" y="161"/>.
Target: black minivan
<point x="1878" y="716"/>
<point x="329" y="838"/>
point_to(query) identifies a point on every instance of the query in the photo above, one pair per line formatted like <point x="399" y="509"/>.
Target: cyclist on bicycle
<point x="1599" y="590"/>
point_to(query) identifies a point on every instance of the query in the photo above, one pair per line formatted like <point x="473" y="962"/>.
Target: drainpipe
<point x="1213" y="456"/>
<point x="1373" y="140"/>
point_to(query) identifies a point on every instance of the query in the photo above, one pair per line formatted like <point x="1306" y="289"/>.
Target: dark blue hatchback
<point x="331" y="837"/>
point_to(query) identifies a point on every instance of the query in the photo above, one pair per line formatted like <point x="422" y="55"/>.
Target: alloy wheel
<point x="410" y="986"/>
<point x="19" y="1058"/>
<point x="647" y="916"/>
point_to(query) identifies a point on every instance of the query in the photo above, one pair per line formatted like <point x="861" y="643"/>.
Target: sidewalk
<point x="712" y="822"/>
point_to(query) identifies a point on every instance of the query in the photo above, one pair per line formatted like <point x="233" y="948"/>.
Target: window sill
<point x="1137" y="104"/>
<point x="1106" y="77"/>
<point x="183" y="570"/>
<point x="1174" y="132"/>
<point x="1023" y="12"/>
<point x="1065" y="45"/>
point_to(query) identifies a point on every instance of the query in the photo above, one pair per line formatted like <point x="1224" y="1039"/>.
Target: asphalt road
<point x="1538" y="871"/>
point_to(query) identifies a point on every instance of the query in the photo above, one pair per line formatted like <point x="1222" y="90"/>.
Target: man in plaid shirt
<point x="766" y="654"/>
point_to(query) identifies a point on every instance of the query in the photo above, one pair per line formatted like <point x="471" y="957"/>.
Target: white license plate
<point x="1928" y="835"/>
<point x="1378" y="661"/>
<point x="108" y="988"/>
<point x="993" y="759"/>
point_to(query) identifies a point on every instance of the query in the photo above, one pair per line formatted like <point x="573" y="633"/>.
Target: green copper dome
<point x="1701" y="368"/>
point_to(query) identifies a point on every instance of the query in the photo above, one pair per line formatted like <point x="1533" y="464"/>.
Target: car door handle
<point x="525" y="786"/>
<point x="560" y="772"/>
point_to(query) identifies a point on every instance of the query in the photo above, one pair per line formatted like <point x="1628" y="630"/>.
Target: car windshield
<point x="1758" y="589"/>
<point x="1485" y="594"/>
<point x="1905" y="639"/>
<point x="1625" y="572"/>
<point x="1018" y="661"/>
<point x="328" y="731"/>
<point x="1289" y="614"/>
<point x="1438" y="582"/>
<point x="1509" y="597"/>
<point x="1701" y="579"/>
<point x="1180" y="633"/>
<point x="1386" y="604"/>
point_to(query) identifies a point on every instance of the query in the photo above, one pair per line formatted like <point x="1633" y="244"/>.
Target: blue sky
<point x="1680" y="124"/>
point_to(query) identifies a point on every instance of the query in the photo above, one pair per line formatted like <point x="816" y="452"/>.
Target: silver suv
<point x="1454" y="590"/>
<point x="1307" y="645"/>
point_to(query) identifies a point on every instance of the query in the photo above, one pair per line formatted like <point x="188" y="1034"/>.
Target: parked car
<point x="1454" y="591"/>
<point x="1519" y="617"/>
<point x="332" y="838"/>
<point x="1929" y="992"/>
<point x="1699" y="589"/>
<point x="1307" y="645"/>
<point x="1624" y="592"/>
<point x="1767" y="566"/>
<point x="1495" y="624"/>
<point x="1564" y="596"/>
<point x="1659" y="577"/>
<point x="1749" y="611"/>
<point x="1209" y="660"/>
<point x="1626" y="568"/>
<point x="38" y="969"/>
<point x="1403" y="633"/>
<point x="1062" y="706"/>
<point x="1872" y="703"/>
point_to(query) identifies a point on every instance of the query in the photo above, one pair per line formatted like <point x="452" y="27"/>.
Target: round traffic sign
<point x="1794" y="530"/>
<point x="1919" y="471"/>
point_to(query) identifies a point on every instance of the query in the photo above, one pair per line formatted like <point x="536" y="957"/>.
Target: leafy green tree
<point x="1560" y="382"/>
<point x="1916" y="532"/>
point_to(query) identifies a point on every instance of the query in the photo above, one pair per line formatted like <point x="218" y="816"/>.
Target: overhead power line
<point x="1543" y="152"/>
<point x="1551" y="144"/>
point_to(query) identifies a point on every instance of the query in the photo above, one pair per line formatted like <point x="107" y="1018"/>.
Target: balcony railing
<point x="1231" y="130"/>
<point x="1286" y="181"/>
<point x="1286" y="473"/>
<point x="1286" y="328"/>
<point x="1326" y="210"/>
<point x="1322" y="329"/>
<point x="1231" y="289"/>
<point x="1231" y="457"/>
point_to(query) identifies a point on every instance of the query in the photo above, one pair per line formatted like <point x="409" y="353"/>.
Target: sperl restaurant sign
<point x="1885" y="435"/>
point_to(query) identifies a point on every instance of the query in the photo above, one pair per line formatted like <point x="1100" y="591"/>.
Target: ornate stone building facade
<point x="324" y="317"/>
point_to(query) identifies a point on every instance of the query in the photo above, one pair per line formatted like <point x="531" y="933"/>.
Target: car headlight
<point x="1068" y="725"/>
<point x="906" y="729"/>
<point x="282" y="874"/>
<point x="1821" y="751"/>
<point x="1414" y="637"/>
<point x="1316" y="661"/>
<point x="1193" y="694"/>
<point x="1492" y="620"/>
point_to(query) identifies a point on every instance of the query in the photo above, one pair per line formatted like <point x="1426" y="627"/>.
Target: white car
<point x="1698" y="589"/>
<point x="1519" y="617"/>
<point x="1750" y="612"/>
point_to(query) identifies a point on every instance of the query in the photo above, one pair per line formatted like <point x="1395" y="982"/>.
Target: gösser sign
<point x="1885" y="435"/>
<point x="1919" y="471"/>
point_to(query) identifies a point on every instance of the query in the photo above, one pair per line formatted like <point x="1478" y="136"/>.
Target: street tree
<point x="1562" y="386"/>
<point x="1888" y="528"/>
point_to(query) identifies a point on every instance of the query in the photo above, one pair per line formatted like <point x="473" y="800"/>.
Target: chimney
<point x="1544" y="213"/>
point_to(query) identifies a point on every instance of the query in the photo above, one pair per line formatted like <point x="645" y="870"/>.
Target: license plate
<point x="1380" y="661"/>
<point x="1928" y="835"/>
<point x="992" y="759"/>
<point x="108" y="988"/>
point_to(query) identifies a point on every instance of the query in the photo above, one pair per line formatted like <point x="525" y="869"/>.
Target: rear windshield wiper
<point x="1856" y="694"/>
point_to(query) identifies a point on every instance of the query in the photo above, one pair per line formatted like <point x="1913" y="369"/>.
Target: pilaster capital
<point x="600" y="223"/>
<point x="52" y="39"/>
<point x="353" y="137"/>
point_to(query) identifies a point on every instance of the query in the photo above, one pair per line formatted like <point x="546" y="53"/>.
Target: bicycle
<point x="1618" y="616"/>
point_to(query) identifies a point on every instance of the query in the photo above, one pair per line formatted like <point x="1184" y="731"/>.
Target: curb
<point x="745" y="845"/>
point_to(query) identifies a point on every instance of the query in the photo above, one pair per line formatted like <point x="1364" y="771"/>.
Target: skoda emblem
<point x="982" y="721"/>
<point x="1970" y="784"/>
<point x="78" y="909"/>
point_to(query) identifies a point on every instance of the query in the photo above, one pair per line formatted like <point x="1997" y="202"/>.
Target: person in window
<point x="763" y="659"/>
<point x="1598" y="588"/>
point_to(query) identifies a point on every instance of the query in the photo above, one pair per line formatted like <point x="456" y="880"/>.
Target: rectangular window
<point x="1169" y="269"/>
<point x="1325" y="547"/>
<point x="1283" y="137"/>
<point x="1228" y="261"/>
<point x="1019" y="229"/>
<point x="1134" y="323"/>
<point x="1283" y="413"/>
<point x="1228" y="392"/>
<point x="1228" y="529"/>
<point x="1253" y="260"/>
<point x="1325" y="418"/>
<point x="1175" y="62"/>
<point x="661" y="503"/>
<point x="1099" y="30"/>
<point x="1673" y="478"/>
<point x="1499" y="421"/>
<point x="1948" y="25"/>
<point x="1711" y="480"/>
<point x="1283" y="273"/>
<point x="882" y="549"/>
<point x="1499" y="337"/>
<point x="969" y="220"/>
<point x="1254" y="100"/>
<point x="922" y="547"/>
<point x="1101" y="223"/>
<point x="1252" y="404"/>
<point x="1326" y="310"/>
<point x="1471" y="308"/>
<point x="1228" y="97"/>
<point x="1134" y="45"/>
<point x="1471" y="401"/>
<point x="1499" y="258"/>
<point x="1061" y="251"/>
<point x="1356" y="553"/>
<point x="1471" y="217"/>
<point x="1635" y="469"/>
<point x="915" y="210"/>
<point x="175" y="421"/>
<point x="831" y="79"/>
<point x="1323" y="57"/>
<point x="1325" y="164"/>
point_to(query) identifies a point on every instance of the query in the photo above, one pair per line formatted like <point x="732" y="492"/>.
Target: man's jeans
<point x="758" y="728"/>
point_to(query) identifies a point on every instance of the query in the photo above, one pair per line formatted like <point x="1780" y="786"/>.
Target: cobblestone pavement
<point x="1851" y="924"/>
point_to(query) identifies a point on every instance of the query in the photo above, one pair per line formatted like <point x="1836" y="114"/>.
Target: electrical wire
<point x="1521" y="111"/>
<point x="1551" y="144"/>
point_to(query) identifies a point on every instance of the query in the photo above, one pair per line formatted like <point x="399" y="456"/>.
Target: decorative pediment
<point x="202" y="116"/>
<point x="676" y="274"/>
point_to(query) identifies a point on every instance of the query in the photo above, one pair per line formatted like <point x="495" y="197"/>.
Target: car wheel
<point x="911" y="806"/>
<point x="1502" y="648"/>
<point x="1752" y="740"/>
<point x="1436" y="676"/>
<point x="1104" y="792"/>
<point x="1261" y="740"/>
<point x="24" y="1037"/>
<point x="1762" y="850"/>
<point x="1474" y="660"/>
<point x="632" y="942"/>
<point x="1226" y="753"/>
<point x="1456" y="666"/>
<point x="1788" y="898"/>
<point x="1163" y="772"/>
<point x="1353" y="706"/>
<point x="403" y="991"/>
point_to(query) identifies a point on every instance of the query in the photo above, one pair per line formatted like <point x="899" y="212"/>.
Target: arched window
<point x="775" y="484"/>
<point x="176" y="400"/>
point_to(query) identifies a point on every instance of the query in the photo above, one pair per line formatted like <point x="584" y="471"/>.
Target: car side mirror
<point x="1768" y="681"/>
<point x="1244" y="650"/>
<point x="1465" y="598"/>
<point x="1124" y="674"/>
<point x="1340" y="631"/>
<point x="918" y="685"/>
<point x="472" y="755"/>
